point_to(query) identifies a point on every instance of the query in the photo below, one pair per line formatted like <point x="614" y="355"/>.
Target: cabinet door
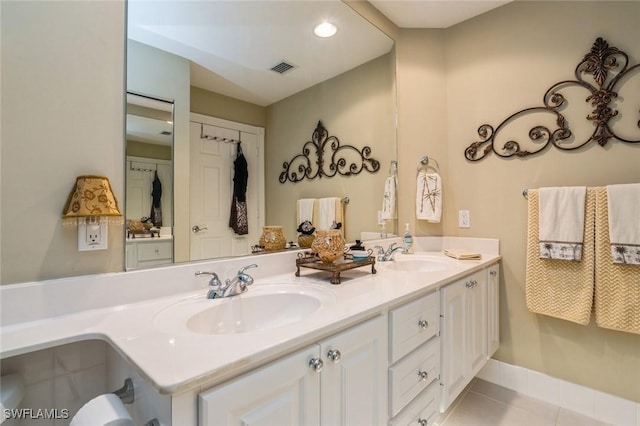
<point x="286" y="392"/>
<point x="354" y="386"/>
<point x="453" y="339"/>
<point x="493" y="309"/>
<point x="476" y="289"/>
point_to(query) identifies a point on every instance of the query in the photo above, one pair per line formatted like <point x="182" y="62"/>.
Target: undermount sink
<point x="418" y="263"/>
<point x="260" y="308"/>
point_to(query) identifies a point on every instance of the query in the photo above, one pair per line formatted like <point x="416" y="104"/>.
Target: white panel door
<point x="211" y="192"/>
<point x="354" y="387"/>
<point x="286" y="392"/>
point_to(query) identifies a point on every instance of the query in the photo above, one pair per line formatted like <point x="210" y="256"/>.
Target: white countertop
<point x="173" y="360"/>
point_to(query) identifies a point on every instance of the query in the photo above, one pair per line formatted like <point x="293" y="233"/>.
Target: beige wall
<point x="62" y="116"/>
<point x="216" y="105"/>
<point x="349" y="106"/>
<point x="480" y="72"/>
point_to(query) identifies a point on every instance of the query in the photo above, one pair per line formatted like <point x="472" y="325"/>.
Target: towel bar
<point x="424" y="164"/>
<point x="525" y="193"/>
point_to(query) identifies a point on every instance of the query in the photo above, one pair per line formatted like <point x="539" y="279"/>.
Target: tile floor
<point x="486" y="404"/>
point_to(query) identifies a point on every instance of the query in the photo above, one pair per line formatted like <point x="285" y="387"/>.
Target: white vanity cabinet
<point x="145" y="252"/>
<point x="339" y="381"/>
<point x="414" y="357"/>
<point x="469" y="323"/>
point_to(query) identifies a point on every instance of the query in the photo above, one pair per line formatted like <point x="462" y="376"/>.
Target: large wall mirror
<point x="215" y="58"/>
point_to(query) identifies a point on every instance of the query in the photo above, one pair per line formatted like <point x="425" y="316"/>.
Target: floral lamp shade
<point x="91" y="197"/>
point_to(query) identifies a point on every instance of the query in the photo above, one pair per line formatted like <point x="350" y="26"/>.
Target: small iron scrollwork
<point x="310" y="164"/>
<point x="599" y="63"/>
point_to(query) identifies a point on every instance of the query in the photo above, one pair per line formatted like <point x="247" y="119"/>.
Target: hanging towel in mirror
<point x="561" y="222"/>
<point x="238" y="220"/>
<point x="329" y="211"/>
<point x="389" y="199"/>
<point x="429" y="197"/>
<point x="156" y="195"/>
<point x="304" y="210"/>
<point x="623" y="206"/>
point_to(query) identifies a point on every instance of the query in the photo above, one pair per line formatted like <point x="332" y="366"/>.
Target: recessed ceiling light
<point x="326" y="29"/>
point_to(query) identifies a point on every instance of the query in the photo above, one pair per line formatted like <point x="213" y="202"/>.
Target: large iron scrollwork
<point x="304" y="166"/>
<point x="599" y="63"/>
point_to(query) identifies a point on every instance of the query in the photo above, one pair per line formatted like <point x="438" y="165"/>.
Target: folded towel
<point x="557" y="288"/>
<point x="305" y="208"/>
<point x="623" y="204"/>
<point x="561" y="221"/>
<point x="429" y="197"/>
<point x="329" y="211"/>
<point x="461" y="254"/>
<point x="617" y="285"/>
<point x="389" y="199"/>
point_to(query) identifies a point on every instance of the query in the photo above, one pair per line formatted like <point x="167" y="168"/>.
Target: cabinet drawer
<point x="413" y="374"/>
<point x="413" y="324"/>
<point x="423" y="408"/>
<point x="154" y="251"/>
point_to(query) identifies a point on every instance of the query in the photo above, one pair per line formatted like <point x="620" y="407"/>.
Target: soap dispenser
<point x="407" y="240"/>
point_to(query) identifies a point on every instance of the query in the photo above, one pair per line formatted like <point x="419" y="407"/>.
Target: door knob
<point x="195" y="229"/>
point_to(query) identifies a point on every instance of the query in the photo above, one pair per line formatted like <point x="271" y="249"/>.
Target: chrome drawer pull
<point x="334" y="355"/>
<point x="493" y="273"/>
<point x="316" y="364"/>
<point x="423" y="375"/>
<point x="423" y="324"/>
<point x="422" y="422"/>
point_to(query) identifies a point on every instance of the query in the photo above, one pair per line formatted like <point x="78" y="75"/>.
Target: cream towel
<point x="305" y="209"/>
<point x="429" y="197"/>
<point x="557" y="288"/>
<point x="389" y="199"/>
<point x="329" y="211"/>
<point x="623" y="203"/>
<point x="561" y="222"/>
<point x="617" y="286"/>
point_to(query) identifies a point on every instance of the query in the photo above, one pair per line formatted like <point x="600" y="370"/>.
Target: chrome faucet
<point x="386" y="256"/>
<point x="233" y="287"/>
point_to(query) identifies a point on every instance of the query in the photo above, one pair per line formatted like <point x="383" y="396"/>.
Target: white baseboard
<point x="589" y="402"/>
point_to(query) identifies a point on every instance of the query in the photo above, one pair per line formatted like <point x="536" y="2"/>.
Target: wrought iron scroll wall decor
<point x="599" y="63"/>
<point x="305" y="166"/>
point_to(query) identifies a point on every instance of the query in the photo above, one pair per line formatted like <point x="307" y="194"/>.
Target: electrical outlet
<point x="92" y="235"/>
<point x="464" y="219"/>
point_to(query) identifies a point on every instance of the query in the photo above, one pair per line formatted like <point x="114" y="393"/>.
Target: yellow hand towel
<point x="554" y="287"/>
<point x="617" y="285"/>
<point x="462" y="254"/>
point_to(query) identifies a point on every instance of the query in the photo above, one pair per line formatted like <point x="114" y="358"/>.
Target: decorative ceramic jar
<point x="328" y="245"/>
<point x="272" y="238"/>
<point x="305" y="241"/>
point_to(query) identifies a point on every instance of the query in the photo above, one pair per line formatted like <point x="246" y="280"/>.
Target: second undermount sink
<point x="419" y="263"/>
<point x="261" y="308"/>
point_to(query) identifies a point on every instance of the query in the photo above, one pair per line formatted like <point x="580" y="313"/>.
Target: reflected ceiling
<point x="240" y="41"/>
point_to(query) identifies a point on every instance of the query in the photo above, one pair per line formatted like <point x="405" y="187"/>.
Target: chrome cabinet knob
<point x="468" y="284"/>
<point x="493" y="273"/>
<point x="334" y="355"/>
<point x="423" y="324"/>
<point x="316" y="364"/>
<point x="423" y="375"/>
<point x="422" y="422"/>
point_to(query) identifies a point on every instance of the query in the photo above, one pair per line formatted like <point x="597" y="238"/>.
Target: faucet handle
<point x="244" y="268"/>
<point x="215" y="280"/>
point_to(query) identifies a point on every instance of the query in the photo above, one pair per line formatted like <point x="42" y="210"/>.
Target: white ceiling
<point x="232" y="44"/>
<point x="433" y="13"/>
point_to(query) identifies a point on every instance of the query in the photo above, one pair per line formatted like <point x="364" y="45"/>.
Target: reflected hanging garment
<point x="238" y="220"/>
<point x="156" y="195"/>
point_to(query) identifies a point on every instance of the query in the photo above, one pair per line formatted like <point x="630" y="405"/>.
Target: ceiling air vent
<point x="282" y="67"/>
